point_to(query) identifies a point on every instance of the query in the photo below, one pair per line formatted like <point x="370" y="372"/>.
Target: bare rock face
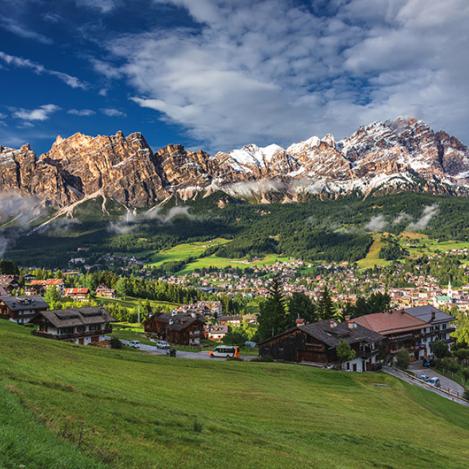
<point x="383" y="157"/>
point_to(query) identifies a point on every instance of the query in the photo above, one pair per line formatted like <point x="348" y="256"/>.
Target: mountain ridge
<point x="403" y="154"/>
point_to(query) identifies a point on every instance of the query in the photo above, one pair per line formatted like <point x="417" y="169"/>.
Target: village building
<point x="21" y="309"/>
<point x="179" y="328"/>
<point x="104" y="292"/>
<point x="81" y="326"/>
<point x="317" y="343"/>
<point x="77" y="294"/>
<point x="438" y="326"/>
<point x="8" y="283"/>
<point x="402" y="330"/>
<point x="234" y="320"/>
<point x="39" y="287"/>
<point x="215" y="332"/>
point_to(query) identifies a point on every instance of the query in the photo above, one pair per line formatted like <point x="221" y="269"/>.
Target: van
<point x="224" y="351"/>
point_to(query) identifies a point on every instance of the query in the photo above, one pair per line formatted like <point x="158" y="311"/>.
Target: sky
<point x="219" y="74"/>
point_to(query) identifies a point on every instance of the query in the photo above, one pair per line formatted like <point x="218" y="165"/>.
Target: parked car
<point x="163" y="345"/>
<point x="134" y="344"/>
<point x="434" y="382"/>
<point x="224" y="351"/>
<point x="171" y="352"/>
<point x="423" y="377"/>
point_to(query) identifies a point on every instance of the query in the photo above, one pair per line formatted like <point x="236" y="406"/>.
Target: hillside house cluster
<point x="372" y="337"/>
<point x="21" y="309"/>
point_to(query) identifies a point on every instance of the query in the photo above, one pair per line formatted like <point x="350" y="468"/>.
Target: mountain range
<point x="404" y="154"/>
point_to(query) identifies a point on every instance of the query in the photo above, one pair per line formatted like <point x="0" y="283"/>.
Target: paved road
<point x="409" y="378"/>
<point x="182" y="354"/>
<point x="446" y="383"/>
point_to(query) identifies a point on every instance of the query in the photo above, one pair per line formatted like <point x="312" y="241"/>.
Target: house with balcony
<point x="21" y="309"/>
<point x="81" y="326"/>
<point x="317" y="343"/>
<point x="438" y="326"/>
<point x="401" y="329"/>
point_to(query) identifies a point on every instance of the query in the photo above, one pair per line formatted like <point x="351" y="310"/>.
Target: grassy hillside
<point x="372" y="258"/>
<point x="64" y="406"/>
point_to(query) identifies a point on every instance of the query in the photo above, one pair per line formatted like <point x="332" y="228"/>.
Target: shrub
<point x="466" y="394"/>
<point x="116" y="343"/>
<point x="402" y="359"/>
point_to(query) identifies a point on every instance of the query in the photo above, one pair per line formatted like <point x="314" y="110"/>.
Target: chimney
<point x="347" y="318"/>
<point x="332" y="323"/>
<point x="300" y="322"/>
<point x="433" y="315"/>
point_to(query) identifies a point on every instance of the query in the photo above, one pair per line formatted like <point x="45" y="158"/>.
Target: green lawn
<point x="224" y="262"/>
<point x="372" y="259"/>
<point x="182" y="252"/>
<point x="66" y="406"/>
<point x="426" y="246"/>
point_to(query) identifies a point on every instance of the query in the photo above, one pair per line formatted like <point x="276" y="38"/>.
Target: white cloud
<point x="377" y="223"/>
<point x="104" y="6"/>
<point x="111" y="112"/>
<point x="428" y="213"/>
<point x="272" y="71"/>
<point x="15" y="27"/>
<point x="42" y="113"/>
<point x="39" y="69"/>
<point x="81" y="112"/>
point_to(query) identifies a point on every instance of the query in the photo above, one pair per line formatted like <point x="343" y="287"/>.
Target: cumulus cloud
<point x="428" y="213"/>
<point x="81" y="112"/>
<point x="39" y="69"/>
<point x="42" y="113"/>
<point x="111" y="112"/>
<point x="377" y="223"/>
<point x="272" y="70"/>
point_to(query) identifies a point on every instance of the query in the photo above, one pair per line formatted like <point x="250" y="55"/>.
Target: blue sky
<point x="219" y="73"/>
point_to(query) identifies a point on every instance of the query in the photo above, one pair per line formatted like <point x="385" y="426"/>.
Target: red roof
<point x="76" y="291"/>
<point x="390" y="322"/>
<point x="48" y="282"/>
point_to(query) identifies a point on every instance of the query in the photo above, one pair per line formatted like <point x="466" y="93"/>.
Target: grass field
<point x="182" y="252"/>
<point x="65" y="406"/>
<point x="130" y="302"/>
<point x="224" y="262"/>
<point x="424" y="246"/>
<point x="372" y="259"/>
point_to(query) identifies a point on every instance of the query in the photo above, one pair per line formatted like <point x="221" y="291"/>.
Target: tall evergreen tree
<point x="300" y="306"/>
<point x="272" y="315"/>
<point x="326" y="308"/>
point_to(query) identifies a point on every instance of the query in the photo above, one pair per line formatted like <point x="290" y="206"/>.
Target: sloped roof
<point x="47" y="282"/>
<point x="332" y="333"/>
<point x="425" y="313"/>
<point x="75" y="317"/>
<point x="15" y="303"/>
<point x="390" y="322"/>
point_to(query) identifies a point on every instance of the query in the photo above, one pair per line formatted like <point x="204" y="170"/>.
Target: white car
<point x="163" y="345"/>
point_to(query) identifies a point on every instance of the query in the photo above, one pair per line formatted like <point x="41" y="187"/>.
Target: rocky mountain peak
<point x="402" y="154"/>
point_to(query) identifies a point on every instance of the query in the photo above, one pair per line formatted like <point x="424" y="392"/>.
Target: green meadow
<point x="66" y="406"/>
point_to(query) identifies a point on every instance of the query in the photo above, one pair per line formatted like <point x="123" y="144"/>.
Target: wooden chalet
<point x="21" y="309"/>
<point x="104" y="292"/>
<point x="82" y="326"/>
<point x="181" y="329"/>
<point x="317" y="343"/>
